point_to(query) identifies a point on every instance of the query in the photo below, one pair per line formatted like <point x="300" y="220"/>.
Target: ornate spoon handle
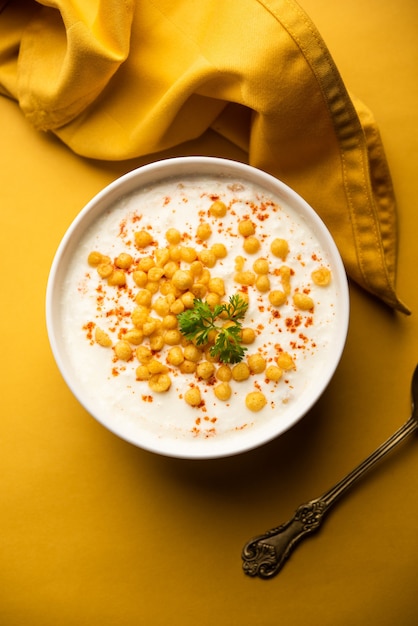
<point x="266" y="554"/>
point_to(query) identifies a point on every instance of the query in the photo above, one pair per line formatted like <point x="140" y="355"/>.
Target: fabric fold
<point x="119" y="80"/>
<point x="68" y="54"/>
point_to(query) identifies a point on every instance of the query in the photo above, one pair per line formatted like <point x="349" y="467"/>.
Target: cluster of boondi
<point x="170" y="279"/>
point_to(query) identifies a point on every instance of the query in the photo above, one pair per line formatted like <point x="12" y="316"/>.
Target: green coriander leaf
<point x="236" y="308"/>
<point x="196" y="323"/>
<point x="228" y="346"/>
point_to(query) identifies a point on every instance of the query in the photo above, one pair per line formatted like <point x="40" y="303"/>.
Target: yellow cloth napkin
<point x="117" y="79"/>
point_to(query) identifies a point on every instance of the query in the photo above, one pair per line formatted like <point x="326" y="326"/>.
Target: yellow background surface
<point x="96" y="531"/>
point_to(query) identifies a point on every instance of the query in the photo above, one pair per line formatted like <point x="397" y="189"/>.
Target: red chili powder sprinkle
<point x="292" y="323"/>
<point x="89" y="327"/>
<point x="119" y="312"/>
<point x="122" y="229"/>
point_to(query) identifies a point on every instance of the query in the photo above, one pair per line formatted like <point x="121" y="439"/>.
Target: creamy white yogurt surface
<point x="308" y="336"/>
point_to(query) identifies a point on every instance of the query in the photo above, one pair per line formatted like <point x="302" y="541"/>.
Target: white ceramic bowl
<point x="168" y="425"/>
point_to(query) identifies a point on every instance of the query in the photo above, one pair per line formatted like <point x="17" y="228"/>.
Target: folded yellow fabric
<point x="117" y="79"/>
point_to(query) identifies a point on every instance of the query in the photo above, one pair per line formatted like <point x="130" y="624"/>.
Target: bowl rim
<point x="157" y="171"/>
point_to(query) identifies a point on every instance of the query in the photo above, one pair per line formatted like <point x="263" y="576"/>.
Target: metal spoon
<point x="265" y="555"/>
